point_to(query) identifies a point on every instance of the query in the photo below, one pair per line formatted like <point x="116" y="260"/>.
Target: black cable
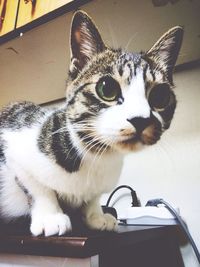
<point x="156" y="202"/>
<point x="135" y="202"/>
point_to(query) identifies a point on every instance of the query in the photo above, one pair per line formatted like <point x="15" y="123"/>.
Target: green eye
<point x="108" y="89"/>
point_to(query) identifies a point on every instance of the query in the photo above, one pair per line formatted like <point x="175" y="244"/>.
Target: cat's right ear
<point x="86" y="40"/>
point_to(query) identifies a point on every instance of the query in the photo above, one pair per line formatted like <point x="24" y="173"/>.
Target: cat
<point x="116" y="102"/>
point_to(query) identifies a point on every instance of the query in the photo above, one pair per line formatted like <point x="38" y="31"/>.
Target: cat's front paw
<point x="50" y="224"/>
<point x="102" y="222"/>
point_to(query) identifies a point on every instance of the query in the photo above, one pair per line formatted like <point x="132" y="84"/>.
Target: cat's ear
<point x="86" y="40"/>
<point x="165" y="51"/>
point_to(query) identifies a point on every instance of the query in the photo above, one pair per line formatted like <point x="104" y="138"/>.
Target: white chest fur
<point x="95" y="176"/>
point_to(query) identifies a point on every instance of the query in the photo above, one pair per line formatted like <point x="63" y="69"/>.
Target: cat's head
<point x="118" y="99"/>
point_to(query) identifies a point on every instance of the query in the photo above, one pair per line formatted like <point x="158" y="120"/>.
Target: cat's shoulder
<point x="20" y="114"/>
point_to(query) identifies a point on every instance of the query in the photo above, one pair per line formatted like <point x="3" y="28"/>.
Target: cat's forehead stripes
<point x="127" y="65"/>
<point x="125" y="58"/>
<point x="120" y="65"/>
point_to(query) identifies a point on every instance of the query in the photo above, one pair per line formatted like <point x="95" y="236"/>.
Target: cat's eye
<point x="108" y="89"/>
<point x="159" y="96"/>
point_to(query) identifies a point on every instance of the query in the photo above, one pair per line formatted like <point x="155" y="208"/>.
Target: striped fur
<point x="115" y="102"/>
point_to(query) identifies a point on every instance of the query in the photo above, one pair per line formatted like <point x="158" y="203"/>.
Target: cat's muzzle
<point x="144" y="131"/>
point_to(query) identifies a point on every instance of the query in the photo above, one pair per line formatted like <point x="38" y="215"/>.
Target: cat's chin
<point x="133" y="145"/>
<point x="125" y="147"/>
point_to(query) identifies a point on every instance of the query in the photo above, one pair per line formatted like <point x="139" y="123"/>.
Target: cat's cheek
<point x="112" y="123"/>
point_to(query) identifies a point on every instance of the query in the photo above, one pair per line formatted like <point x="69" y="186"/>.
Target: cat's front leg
<point x="47" y="217"/>
<point x="95" y="218"/>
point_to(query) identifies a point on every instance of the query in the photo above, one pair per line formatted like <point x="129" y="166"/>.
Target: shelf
<point x="8" y="13"/>
<point x="20" y="16"/>
<point x="30" y="10"/>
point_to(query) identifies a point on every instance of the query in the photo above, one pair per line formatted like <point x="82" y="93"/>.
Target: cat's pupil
<point x="108" y="89"/>
<point x="159" y="96"/>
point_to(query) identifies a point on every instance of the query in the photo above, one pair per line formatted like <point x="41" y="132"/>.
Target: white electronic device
<point x="146" y="216"/>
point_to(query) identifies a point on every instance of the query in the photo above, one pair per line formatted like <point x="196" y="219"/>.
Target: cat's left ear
<point x="165" y="51"/>
<point x="86" y="40"/>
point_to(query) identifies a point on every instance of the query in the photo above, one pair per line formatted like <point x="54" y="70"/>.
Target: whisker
<point x="60" y="130"/>
<point x="108" y="143"/>
<point x="93" y="161"/>
<point x="130" y="40"/>
<point x="90" y="145"/>
<point x="84" y="123"/>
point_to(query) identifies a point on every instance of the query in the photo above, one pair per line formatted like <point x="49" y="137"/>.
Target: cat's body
<point x="27" y="167"/>
<point x="74" y="153"/>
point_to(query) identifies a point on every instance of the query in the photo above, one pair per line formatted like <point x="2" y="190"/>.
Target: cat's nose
<point x="140" y="123"/>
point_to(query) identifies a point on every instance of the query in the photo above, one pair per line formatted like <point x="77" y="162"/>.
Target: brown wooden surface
<point x="30" y="10"/>
<point x="8" y="12"/>
<point x="33" y="18"/>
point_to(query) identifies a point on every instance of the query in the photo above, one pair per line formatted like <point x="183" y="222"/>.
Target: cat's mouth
<point x="136" y="140"/>
<point x="143" y="139"/>
<point x="127" y="139"/>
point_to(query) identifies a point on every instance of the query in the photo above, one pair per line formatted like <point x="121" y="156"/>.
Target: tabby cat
<point x="116" y="102"/>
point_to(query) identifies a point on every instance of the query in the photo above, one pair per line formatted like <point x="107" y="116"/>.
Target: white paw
<point x="102" y="222"/>
<point x="51" y="224"/>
